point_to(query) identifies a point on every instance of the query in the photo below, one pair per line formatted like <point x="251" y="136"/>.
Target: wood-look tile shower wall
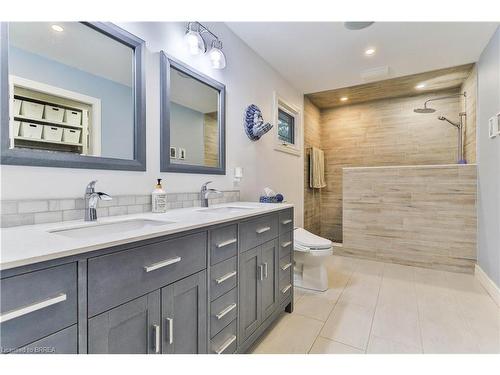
<point x="376" y="133"/>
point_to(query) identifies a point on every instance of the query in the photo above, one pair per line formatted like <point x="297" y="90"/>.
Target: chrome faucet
<point x="205" y="192"/>
<point x="91" y="197"/>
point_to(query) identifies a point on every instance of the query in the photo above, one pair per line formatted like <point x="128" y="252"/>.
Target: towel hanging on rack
<point x="317" y="168"/>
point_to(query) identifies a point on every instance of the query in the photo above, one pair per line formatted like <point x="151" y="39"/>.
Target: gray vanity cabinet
<point x="131" y="328"/>
<point x="207" y="290"/>
<point x="184" y="316"/>
<point x="250" y="292"/>
<point x="269" y="278"/>
<point x="258" y="286"/>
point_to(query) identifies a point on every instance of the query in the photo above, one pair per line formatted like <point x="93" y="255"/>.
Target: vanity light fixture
<point x="57" y="28"/>
<point x="420" y="86"/>
<point x="195" y="40"/>
<point x="344" y="99"/>
<point x="216" y="55"/>
<point x="370" y="52"/>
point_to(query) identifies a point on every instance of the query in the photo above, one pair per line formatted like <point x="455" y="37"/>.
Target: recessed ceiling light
<point x="344" y="98"/>
<point x="370" y="52"/>
<point x="420" y="86"/>
<point x="57" y="28"/>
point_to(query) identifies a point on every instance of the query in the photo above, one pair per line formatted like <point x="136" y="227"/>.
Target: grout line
<point x="419" y="315"/>
<point x="375" y="311"/>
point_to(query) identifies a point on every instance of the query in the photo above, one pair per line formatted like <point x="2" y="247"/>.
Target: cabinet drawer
<point x="223" y="278"/>
<point x="222" y="311"/>
<point x="223" y="243"/>
<point x="37" y="304"/>
<point x="257" y="231"/>
<point x="62" y="342"/>
<point x="119" y="277"/>
<point x="286" y="244"/>
<point x="286" y="287"/>
<point x="225" y="341"/>
<point x="285" y="267"/>
<point x="286" y="221"/>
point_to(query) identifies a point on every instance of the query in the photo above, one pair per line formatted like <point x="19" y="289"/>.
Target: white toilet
<point x="310" y="255"/>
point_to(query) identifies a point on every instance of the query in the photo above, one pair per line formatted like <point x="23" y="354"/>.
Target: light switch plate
<point x="493" y="130"/>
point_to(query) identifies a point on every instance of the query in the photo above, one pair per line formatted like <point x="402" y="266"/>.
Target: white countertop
<point x="30" y="244"/>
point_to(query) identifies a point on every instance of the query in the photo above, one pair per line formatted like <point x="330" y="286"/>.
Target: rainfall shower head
<point x="424" y="110"/>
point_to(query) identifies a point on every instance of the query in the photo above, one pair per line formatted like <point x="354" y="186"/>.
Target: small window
<point x="286" y="127"/>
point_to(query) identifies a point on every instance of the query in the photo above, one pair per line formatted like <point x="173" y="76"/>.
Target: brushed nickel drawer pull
<point x="226" y="344"/>
<point x="9" y="315"/>
<point x="156" y="329"/>
<point x="265" y="270"/>
<point x="263" y="230"/>
<point x="286" y="266"/>
<point x="286" y="244"/>
<point x="285" y="222"/>
<point x="225" y="277"/>
<point x="226" y="243"/>
<point x="286" y="288"/>
<point x="170" y="323"/>
<point x="226" y="311"/>
<point x="162" y="264"/>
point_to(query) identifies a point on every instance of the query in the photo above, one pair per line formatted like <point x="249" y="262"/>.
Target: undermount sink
<point x="102" y="229"/>
<point x="226" y="210"/>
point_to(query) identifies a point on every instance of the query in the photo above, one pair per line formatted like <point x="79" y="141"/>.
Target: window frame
<point x="294" y="148"/>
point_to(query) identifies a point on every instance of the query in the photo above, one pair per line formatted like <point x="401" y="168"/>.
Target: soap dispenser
<point x="158" y="199"/>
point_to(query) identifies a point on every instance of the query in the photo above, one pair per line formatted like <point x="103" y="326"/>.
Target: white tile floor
<point x="374" y="307"/>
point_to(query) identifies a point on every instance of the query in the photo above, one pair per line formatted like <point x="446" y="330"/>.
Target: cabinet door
<point x="132" y="328"/>
<point x="184" y="316"/>
<point x="269" y="283"/>
<point x="250" y="298"/>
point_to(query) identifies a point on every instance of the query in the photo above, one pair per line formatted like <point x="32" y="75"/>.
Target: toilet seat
<point x="308" y="242"/>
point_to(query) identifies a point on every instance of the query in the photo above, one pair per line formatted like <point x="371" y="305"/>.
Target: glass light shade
<point x="195" y="43"/>
<point x="217" y="58"/>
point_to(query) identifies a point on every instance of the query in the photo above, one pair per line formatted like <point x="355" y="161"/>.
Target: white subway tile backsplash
<point x="126" y="200"/>
<point x="48" y="217"/>
<point x="73" y="215"/>
<point x="17" y="220"/>
<point x="62" y="204"/>
<point x="135" y="209"/>
<point x="26" y="212"/>
<point x="8" y="207"/>
<point x="32" y="206"/>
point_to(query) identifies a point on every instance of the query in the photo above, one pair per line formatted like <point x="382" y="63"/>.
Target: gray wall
<point x="186" y="131"/>
<point x="488" y="159"/>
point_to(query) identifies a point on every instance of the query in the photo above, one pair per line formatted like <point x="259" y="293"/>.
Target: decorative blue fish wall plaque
<point x="254" y="124"/>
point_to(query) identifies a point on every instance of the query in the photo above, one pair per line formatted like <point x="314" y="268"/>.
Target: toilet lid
<point x="303" y="238"/>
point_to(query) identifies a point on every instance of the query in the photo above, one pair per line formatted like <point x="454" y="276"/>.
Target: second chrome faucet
<point x="205" y="193"/>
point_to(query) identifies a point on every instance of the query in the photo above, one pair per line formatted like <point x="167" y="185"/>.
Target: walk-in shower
<point x="459" y="125"/>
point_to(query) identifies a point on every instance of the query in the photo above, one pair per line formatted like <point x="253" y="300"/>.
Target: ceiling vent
<point x="373" y="74"/>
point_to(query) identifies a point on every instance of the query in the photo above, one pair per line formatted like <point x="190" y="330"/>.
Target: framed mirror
<point x="72" y="94"/>
<point x="192" y="120"/>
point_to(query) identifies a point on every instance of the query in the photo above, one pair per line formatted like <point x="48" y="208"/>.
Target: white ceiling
<point x="317" y="56"/>
<point x="78" y="46"/>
